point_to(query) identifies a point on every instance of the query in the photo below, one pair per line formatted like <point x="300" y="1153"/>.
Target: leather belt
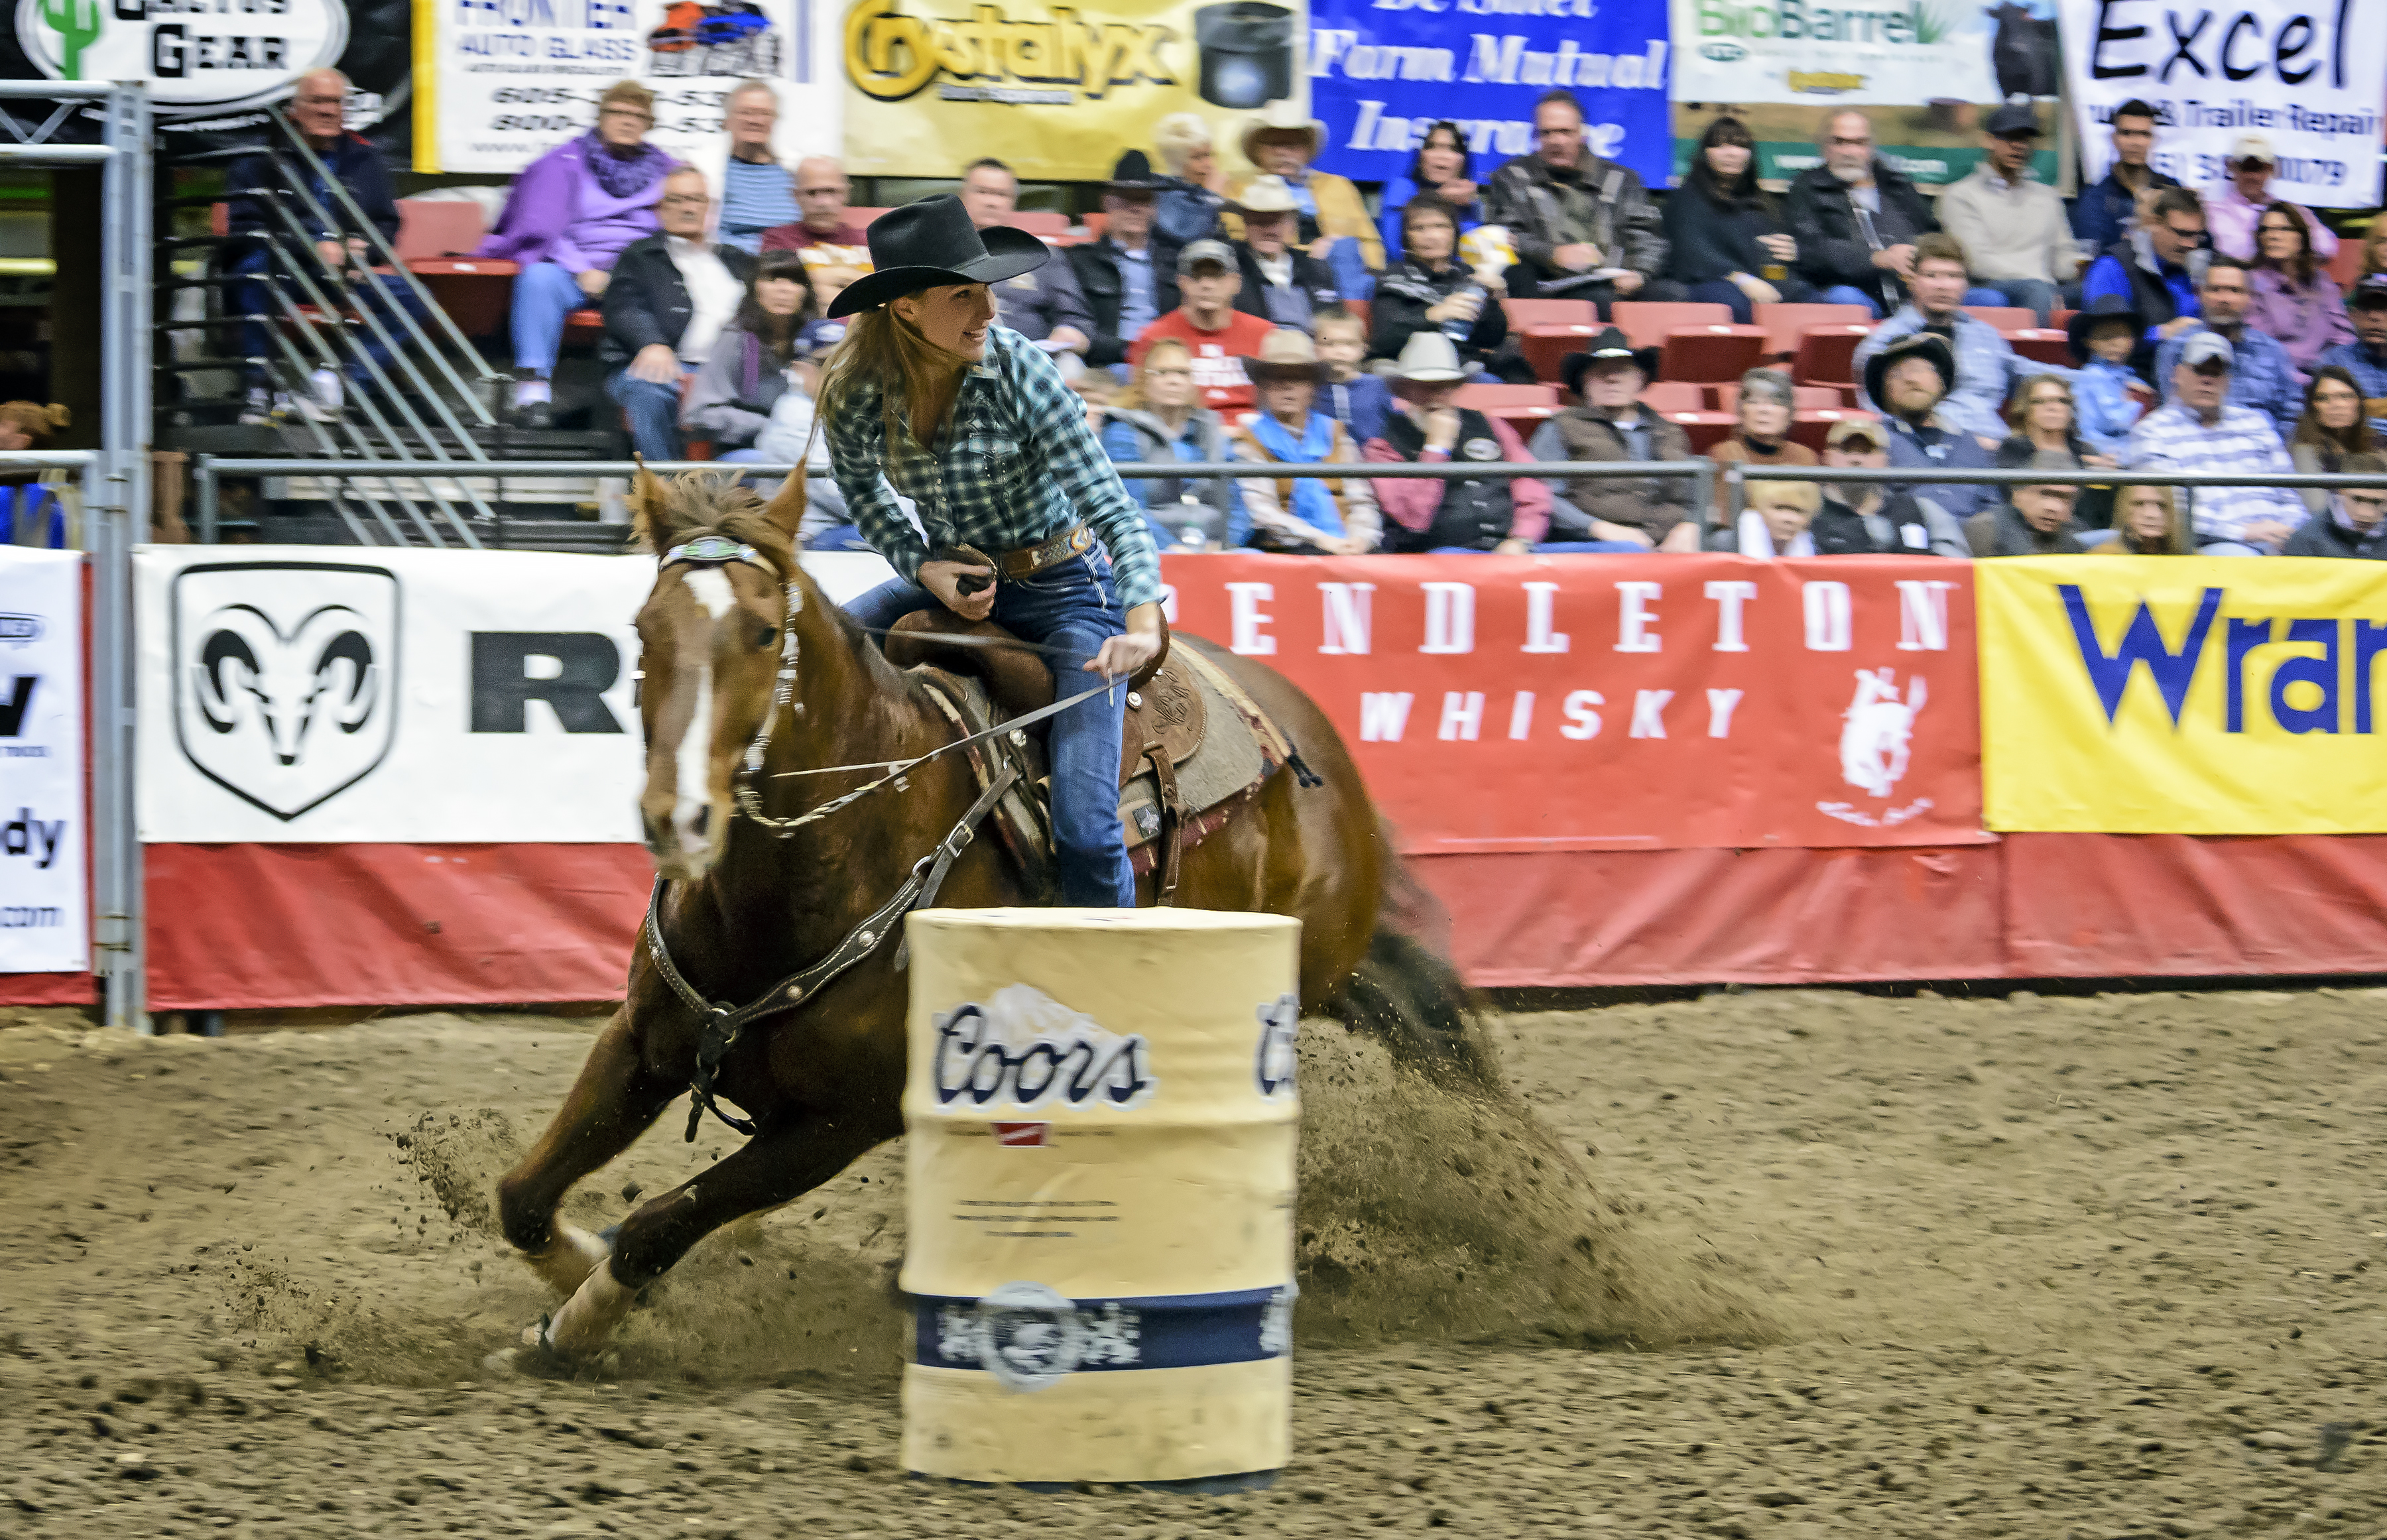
<point x="1029" y="561"/>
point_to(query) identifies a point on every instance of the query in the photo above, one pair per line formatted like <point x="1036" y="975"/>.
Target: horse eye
<point x="768" y="635"/>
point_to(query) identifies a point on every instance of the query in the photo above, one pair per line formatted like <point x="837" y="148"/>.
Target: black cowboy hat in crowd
<point x="931" y="242"/>
<point x="1134" y="174"/>
<point x="1928" y="345"/>
<point x="1608" y="346"/>
<point x="2106" y="306"/>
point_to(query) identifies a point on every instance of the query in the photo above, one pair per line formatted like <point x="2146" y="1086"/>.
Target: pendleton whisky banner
<point x="1056" y="91"/>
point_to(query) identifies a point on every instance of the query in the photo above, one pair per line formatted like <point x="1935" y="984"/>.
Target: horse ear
<point x="785" y="511"/>
<point x="649" y="515"/>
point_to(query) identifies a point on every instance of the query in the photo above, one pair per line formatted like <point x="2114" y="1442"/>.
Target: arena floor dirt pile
<point x="1776" y="1264"/>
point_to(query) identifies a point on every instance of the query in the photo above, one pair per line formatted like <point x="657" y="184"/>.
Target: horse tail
<point x="1407" y="993"/>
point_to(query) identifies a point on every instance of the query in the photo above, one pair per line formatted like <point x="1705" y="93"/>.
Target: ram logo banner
<point x="2151" y="695"/>
<point x="285" y="677"/>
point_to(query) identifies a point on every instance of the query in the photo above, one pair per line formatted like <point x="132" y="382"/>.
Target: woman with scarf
<point x="1301" y="515"/>
<point x="1019" y="516"/>
<point x="569" y="215"/>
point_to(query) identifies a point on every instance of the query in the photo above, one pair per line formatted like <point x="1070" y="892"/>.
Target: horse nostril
<point x="704" y="819"/>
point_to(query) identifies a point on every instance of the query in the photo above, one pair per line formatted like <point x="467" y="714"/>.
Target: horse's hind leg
<point x="613" y="1102"/>
<point x="776" y="1167"/>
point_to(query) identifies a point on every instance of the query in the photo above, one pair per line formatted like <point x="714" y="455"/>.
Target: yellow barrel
<point x="1100" y="1116"/>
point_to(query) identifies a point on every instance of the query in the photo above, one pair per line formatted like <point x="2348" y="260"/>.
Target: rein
<point x="724" y="1022"/>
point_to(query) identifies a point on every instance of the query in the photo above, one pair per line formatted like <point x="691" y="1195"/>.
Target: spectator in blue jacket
<point x="2156" y="267"/>
<point x="2109" y="394"/>
<point x="1189" y="207"/>
<point x="2103" y="212"/>
<point x="2264" y="378"/>
<point x="1986" y="366"/>
<point x="1440" y="167"/>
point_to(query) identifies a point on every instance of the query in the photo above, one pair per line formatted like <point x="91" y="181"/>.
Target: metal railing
<point x="115" y="494"/>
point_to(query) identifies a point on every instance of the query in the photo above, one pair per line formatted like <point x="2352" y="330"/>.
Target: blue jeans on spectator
<point x="1352" y="279"/>
<point x="652" y="411"/>
<point x="544" y="295"/>
<point x="1723" y="291"/>
<point x="1843" y="293"/>
<point x="1075" y="608"/>
<point x="2032" y="294"/>
<point x="386" y="295"/>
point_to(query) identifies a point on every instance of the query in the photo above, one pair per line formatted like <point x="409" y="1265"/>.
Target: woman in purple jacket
<point x="568" y="216"/>
<point x="2296" y="304"/>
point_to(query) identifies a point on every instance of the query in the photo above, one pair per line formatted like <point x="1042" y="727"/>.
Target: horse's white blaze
<point x="710" y="586"/>
<point x="693" y="763"/>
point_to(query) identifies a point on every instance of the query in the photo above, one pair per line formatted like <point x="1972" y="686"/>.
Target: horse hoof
<point x="571" y="1254"/>
<point x="586" y="1321"/>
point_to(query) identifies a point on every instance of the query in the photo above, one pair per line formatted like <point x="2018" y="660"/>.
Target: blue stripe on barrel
<point x="1064" y="1336"/>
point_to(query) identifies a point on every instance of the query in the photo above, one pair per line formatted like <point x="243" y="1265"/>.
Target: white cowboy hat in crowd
<point x="1428" y="358"/>
<point x="1265" y="195"/>
<point x="1281" y="117"/>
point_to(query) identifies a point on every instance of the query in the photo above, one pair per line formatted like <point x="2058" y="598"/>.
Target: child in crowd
<point x="1775" y="523"/>
<point x="2107" y="397"/>
<point x="1352" y="396"/>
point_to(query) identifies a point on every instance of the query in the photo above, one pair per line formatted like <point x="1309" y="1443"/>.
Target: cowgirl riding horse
<point x="929" y="399"/>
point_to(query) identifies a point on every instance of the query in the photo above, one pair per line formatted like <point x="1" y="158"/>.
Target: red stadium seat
<point x="1785" y="323"/>
<point x="2005" y="318"/>
<point x="1550" y="313"/>
<point x="1358" y="308"/>
<point x="1705" y="429"/>
<point x="1648" y="322"/>
<point x="1809" y="428"/>
<point x="1520" y="406"/>
<point x="1041" y="223"/>
<point x="437" y="228"/>
<point x="1713" y="352"/>
<point x="1547" y="346"/>
<point x="2043" y="345"/>
<point x="862" y="217"/>
<point x="584" y="326"/>
<point x="2346" y="266"/>
<point x="1802" y="397"/>
<point x="1095" y="223"/>
<point x="1669" y="396"/>
<point x="1826" y="354"/>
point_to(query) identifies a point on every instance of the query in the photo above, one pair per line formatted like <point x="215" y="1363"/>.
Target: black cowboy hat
<point x="1608" y="346"/>
<point x="2106" y="306"/>
<point x="932" y="242"/>
<point x="1134" y="174"/>
<point x="1928" y="345"/>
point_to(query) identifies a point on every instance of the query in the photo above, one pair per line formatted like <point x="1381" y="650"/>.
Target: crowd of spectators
<point x="1215" y="318"/>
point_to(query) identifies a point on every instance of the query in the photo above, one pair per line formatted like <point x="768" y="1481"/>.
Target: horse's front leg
<point x="611" y="1103"/>
<point x="777" y="1166"/>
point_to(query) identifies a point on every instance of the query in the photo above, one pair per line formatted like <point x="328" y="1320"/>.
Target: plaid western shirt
<point x="1016" y="466"/>
<point x="2171" y="437"/>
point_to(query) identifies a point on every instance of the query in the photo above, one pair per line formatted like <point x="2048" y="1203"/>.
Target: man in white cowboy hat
<point x="2234" y="204"/>
<point x="1305" y="516"/>
<point x="1281" y="281"/>
<point x="1506" y="514"/>
<point x="1281" y="140"/>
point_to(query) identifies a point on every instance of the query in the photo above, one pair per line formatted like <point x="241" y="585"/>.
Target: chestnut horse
<point x="751" y="676"/>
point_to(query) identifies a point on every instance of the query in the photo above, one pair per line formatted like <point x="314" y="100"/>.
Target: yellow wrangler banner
<point x="1054" y="91"/>
<point x="2186" y="695"/>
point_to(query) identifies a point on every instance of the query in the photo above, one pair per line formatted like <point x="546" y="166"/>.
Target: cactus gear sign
<point x="192" y="55"/>
<point x="1054" y="90"/>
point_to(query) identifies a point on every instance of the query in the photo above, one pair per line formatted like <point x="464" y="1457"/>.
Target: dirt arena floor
<point x="2047" y="1268"/>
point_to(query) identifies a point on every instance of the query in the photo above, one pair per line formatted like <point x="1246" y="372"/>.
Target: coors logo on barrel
<point x="1022" y="1047"/>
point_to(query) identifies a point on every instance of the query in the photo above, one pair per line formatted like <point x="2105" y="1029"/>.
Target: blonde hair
<point x="884" y="352"/>
<point x="1132" y="398"/>
<point x="1795" y="494"/>
<point x="1177" y="136"/>
<point x="2182" y="542"/>
<point x="38" y="423"/>
<point x="632" y="93"/>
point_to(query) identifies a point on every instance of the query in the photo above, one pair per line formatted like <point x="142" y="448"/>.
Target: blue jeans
<point x="653" y="413"/>
<point x="1843" y="293"/>
<point x="1073" y="607"/>
<point x="544" y="295"/>
<point x="386" y="294"/>
<point x="2031" y="294"/>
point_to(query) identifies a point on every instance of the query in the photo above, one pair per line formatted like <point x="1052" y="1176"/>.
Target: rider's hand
<point x="1121" y="656"/>
<point x="944" y="578"/>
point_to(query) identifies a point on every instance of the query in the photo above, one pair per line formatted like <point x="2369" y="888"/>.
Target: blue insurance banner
<point x="1383" y="71"/>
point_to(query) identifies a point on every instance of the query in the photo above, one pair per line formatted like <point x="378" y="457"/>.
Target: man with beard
<point x="1856" y="220"/>
<point x="1987" y="366"/>
<point x="1910" y="378"/>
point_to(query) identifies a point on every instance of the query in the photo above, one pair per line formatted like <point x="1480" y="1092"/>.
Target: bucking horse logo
<point x="1874" y="743"/>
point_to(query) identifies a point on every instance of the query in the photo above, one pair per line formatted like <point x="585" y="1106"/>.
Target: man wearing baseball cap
<point x="2012" y="226"/>
<point x="2234" y="204"/>
<point x="1206" y="321"/>
<point x="2366" y="356"/>
<point x="2261" y="373"/>
<point x="1867" y="517"/>
<point x="2196" y="429"/>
